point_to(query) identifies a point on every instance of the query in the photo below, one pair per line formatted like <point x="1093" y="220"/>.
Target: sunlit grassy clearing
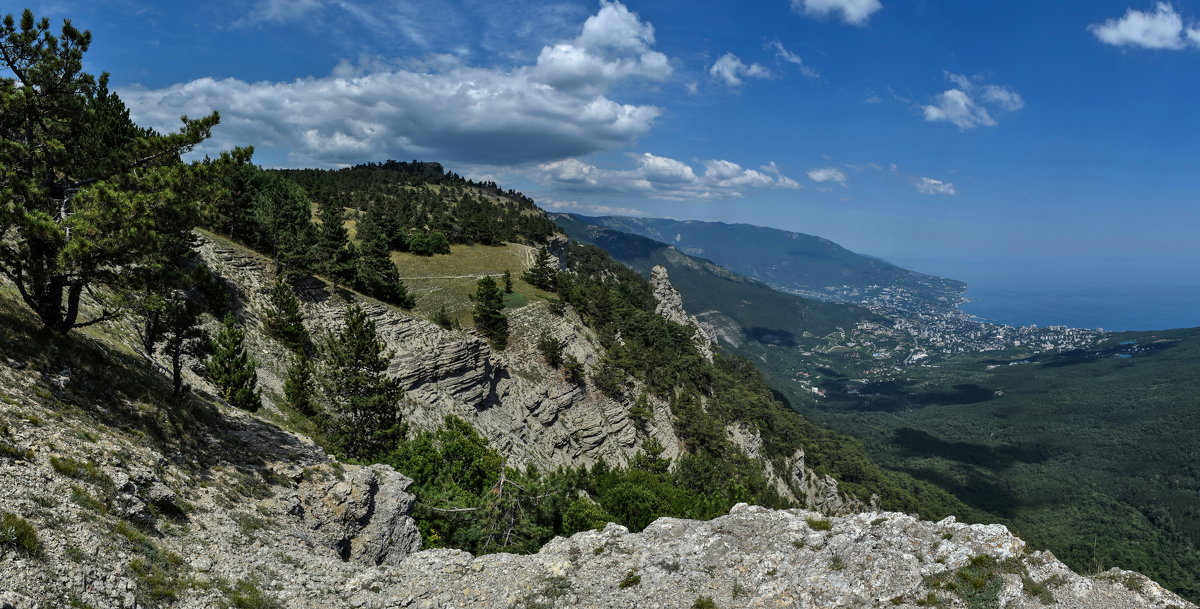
<point x="449" y="280"/>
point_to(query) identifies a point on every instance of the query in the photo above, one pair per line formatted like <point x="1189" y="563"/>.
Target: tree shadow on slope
<point x="107" y="386"/>
<point x="917" y="443"/>
<point x="975" y="488"/>
<point x="772" y="336"/>
<point x="965" y="393"/>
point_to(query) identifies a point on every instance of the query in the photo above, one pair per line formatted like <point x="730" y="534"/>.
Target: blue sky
<point x="1019" y="141"/>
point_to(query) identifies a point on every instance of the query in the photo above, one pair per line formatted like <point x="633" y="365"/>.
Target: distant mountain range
<point x="793" y="262"/>
<point x="718" y="296"/>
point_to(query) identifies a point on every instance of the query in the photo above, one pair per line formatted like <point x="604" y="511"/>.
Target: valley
<point x="1078" y="439"/>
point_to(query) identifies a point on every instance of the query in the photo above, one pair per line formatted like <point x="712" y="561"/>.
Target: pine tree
<point x="86" y="194"/>
<point x="542" y="274"/>
<point x="298" y="386"/>
<point x="362" y="416"/>
<point x="282" y="214"/>
<point x="551" y="349"/>
<point x="334" y="256"/>
<point x="507" y="282"/>
<point x="443" y="319"/>
<point x="232" y="369"/>
<point x="489" y="316"/>
<point x="376" y="275"/>
<point x="182" y="335"/>
<point x="284" y="321"/>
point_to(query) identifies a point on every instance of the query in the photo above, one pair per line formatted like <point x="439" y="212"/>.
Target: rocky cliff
<point x="528" y="411"/>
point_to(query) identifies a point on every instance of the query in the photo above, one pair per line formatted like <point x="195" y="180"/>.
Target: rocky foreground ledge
<point x="756" y="557"/>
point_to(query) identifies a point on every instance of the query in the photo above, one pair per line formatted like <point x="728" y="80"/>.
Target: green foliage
<point x="298" y="386"/>
<point x="573" y="369"/>
<point x="489" y="313"/>
<point x="542" y="273"/>
<point x="443" y="319"/>
<point x="583" y="514"/>
<point x="374" y="272"/>
<point x="232" y="369"/>
<point x="422" y="208"/>
<point x="631" y="579"/>
<point x="459" y="488"/>
<point x="89" y="194"/>
<point x="246" y="594"/>
<point x="551" y="349"/>
<point x="80" y="470"/>
<point x="281" y="214"/>
<point x="283" y="320"/>
<point x="167" y="299"/>
<point x="704" y="602"/>
<point x="425" y="243"/>
<point x="640" y="412"/>
<point x="361" y="403"/>
<point x="160" y="575"/>
<point x="332" y="247"/>
<point x="508" y="287"/>
<point x="16" y="533"/>
<point x="11" y="450"/>
<point x="819" y="524"/>
<point x="609" y="379"/>
<point x="979" y="582"/>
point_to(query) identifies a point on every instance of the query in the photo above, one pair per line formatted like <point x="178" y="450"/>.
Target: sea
<point x="1108" y="307"/>
<point x="1115" y="298"/>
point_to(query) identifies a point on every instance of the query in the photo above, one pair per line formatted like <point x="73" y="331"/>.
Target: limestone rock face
<point x="528" y="411"/>
<point x="364" y="515"/>
<point x="670" y="306"/>
<point x="797" y="481"/>
<point x="756" y="557"/>
<point x="208" y="495"/>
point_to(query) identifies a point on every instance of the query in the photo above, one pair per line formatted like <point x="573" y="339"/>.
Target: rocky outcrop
<point x="139" y="505"/>
<point x="670" y="306"/>
<point x="794" y="480"/>
<point x="821" y="492"/>
<point x="528" y="411"/>
<point x="363" y="514"/>
<point x="756" y="557"/>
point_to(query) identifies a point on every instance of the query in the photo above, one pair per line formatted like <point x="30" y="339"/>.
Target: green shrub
<point x="819" y="524"/>
<point x="631" y="579"/>
<point x="87" y="472"/>
<point x="81" y="498"/>
<point x="161" y="576"/>
<point x="246" y="595"/>
<point x="704" y="602"/>
<point x="18" y="534"/>
<point x="15" y="453"/>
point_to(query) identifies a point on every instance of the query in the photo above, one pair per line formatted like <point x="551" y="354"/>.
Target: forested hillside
<point x="1090" y="453"/>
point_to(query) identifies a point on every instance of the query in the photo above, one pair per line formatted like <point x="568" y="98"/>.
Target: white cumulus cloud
<point x="614" y="44"/>
<point x="827" y="174"/>
<point x="1161" y="29"/>
<point x="930" y="186"/>
<point x="852" y="11"/>
<point x="660" y="177"/>
<point x="730" y="69"/>
<point x="437" y="108"/>
<point x="971" y="104"/>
